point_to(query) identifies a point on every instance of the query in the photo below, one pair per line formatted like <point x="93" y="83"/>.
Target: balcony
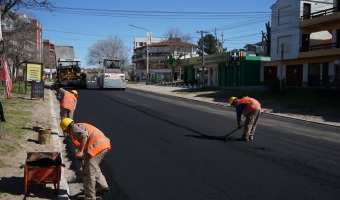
<point x="322" y="20"/>
<point x="152" y="56"/>
<point x="328" y="49"/>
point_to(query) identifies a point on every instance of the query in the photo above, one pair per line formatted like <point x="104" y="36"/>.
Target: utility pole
<point x="202" y="47"/>
<point x="148" y="42"/>
<point x="281" y="76"/>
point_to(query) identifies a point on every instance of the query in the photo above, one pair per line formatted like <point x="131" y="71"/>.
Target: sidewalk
<point x="174" y="91"/>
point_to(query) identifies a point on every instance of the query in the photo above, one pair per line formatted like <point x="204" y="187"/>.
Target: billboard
<point x="34" y="71"/>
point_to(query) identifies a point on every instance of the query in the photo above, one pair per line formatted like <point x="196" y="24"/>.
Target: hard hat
<point x="232" y="99"/>
<point x="65" y="123"/>
<point x="75" y="93"/>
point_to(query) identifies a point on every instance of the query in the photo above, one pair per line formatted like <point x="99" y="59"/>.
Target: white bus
<point x="111" y="76"/>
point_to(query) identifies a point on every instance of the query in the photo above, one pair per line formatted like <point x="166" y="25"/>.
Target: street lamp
<point x="148" y="41"/>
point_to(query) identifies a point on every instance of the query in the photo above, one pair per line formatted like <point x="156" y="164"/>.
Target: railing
<point x="333" y="82"/>
<point x="153" y="55"/>
<point x="319" y="46"/>
<point x="320" y="13"/>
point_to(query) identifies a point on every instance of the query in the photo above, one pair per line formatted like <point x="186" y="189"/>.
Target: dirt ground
<point x="12" y="176"/>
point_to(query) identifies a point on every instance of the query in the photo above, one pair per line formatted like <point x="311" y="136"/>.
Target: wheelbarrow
<point x="42" y="168"/>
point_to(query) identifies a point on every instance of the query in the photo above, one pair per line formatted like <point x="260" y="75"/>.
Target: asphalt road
<point x="166" y="148"/>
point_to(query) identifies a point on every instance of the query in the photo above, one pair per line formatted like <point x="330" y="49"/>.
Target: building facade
<point x="160" y="59"/>
<point x="22" y="42"/>
<point x="49" y="59"/>
<point x="305" y="43"/>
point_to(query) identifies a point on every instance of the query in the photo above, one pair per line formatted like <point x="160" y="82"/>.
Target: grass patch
<point x="18" y="112"/>
<point x="10" y="147"/>
<point x="3" y="164"/>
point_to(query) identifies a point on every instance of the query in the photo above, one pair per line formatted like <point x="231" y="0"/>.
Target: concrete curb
<point x="221" y="104"/>
<point x="64" y="189"/>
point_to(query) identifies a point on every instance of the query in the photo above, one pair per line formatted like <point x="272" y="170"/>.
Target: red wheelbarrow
<point x="42" y="168"/>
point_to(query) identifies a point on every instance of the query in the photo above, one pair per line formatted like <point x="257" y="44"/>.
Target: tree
<point x="11" y="6"/>
<point x="250" y="47"/>
<point x="18" y="44"/>
<point x="211" y="45"/>
<point x="172" y="33"/>
<point x="16" y="40"/>
<point x="179" y="46"/>
<point x="112" y="47"/>
<point x="266" y="37"/>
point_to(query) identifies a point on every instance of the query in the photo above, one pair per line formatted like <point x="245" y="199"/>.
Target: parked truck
<point x="69" y="73"/>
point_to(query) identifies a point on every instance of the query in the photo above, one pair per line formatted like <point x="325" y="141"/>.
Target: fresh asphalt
<point x="142" y="87"/>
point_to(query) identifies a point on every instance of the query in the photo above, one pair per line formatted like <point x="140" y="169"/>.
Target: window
<point x="285" y="15"/>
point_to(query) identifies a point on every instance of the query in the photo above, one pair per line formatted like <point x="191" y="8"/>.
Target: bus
<point x="111" y="76"/>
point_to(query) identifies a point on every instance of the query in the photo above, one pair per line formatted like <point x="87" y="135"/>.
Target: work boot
<point x="102" y="191"/>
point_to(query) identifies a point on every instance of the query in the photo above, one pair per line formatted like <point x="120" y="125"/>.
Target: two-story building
<point x="162" y="59"/>
<point x="305" y="43"/>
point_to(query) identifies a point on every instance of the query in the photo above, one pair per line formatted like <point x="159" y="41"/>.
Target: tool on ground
<point x="224" y="138"/>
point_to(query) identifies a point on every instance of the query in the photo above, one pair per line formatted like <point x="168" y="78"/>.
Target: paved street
<point x="158" y="139"/>
<point x="203" y="138"/>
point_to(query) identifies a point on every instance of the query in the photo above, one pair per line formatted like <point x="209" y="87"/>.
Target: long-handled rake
<point x="224" y="138"/>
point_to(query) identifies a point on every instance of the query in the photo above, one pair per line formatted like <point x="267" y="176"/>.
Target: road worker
<point x="92" y="146"/>
<point x="68" y="103"/>
<point x="251" y="109"/>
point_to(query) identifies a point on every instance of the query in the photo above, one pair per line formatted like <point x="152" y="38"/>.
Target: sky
<point x="82" y="23"/>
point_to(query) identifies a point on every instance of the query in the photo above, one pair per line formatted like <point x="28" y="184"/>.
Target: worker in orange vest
<point x="68" y="102"/>
<point x="251" y="109"/>
<point x="92" y="146"/>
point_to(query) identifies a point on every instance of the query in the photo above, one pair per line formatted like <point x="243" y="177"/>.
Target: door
<point x="294" y="75"/>
<point x="314" y="75"/>
<point x="306" y="11"/>
<point x="270" y="75"/>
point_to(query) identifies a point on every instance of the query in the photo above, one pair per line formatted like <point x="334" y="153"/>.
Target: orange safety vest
<point x="69" y="101"/>
<point x="252" y="104"/>
<point x="96" y="141"/>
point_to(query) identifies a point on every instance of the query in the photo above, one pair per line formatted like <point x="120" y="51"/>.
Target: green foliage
<point x="211" y="45"/>
<point x="17" y="109"/>
<point x="250" y="47"/>
<point x="2" y="164"/>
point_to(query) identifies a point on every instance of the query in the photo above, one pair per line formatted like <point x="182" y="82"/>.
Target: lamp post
<point x="148" y="41"/>
<point x="202" y="46"/>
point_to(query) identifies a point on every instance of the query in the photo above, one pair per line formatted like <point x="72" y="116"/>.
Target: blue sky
<point x="81" y="23"/>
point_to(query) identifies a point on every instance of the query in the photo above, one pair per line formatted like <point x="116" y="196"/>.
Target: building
<point x="22" y="42"/>
<point x="139" y="58"/>
<point x="49" y="59"/>
<point x="225" y="69"/>
<point x="160" y="58"/>
<point x="305" y="43"/>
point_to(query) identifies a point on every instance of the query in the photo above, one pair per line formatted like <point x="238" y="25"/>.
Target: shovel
<point x="224" y="138"/>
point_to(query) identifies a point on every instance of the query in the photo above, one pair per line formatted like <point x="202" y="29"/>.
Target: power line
<point x="153" y="14"/>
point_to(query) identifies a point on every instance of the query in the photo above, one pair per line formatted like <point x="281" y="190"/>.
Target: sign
<point x="34" y="71"/>
<point x="37" y="89"/>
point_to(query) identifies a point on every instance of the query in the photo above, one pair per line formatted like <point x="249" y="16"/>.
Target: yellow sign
<point x="34" y="71"/>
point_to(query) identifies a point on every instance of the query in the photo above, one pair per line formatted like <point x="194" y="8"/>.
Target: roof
<point x="172" y="42"/>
